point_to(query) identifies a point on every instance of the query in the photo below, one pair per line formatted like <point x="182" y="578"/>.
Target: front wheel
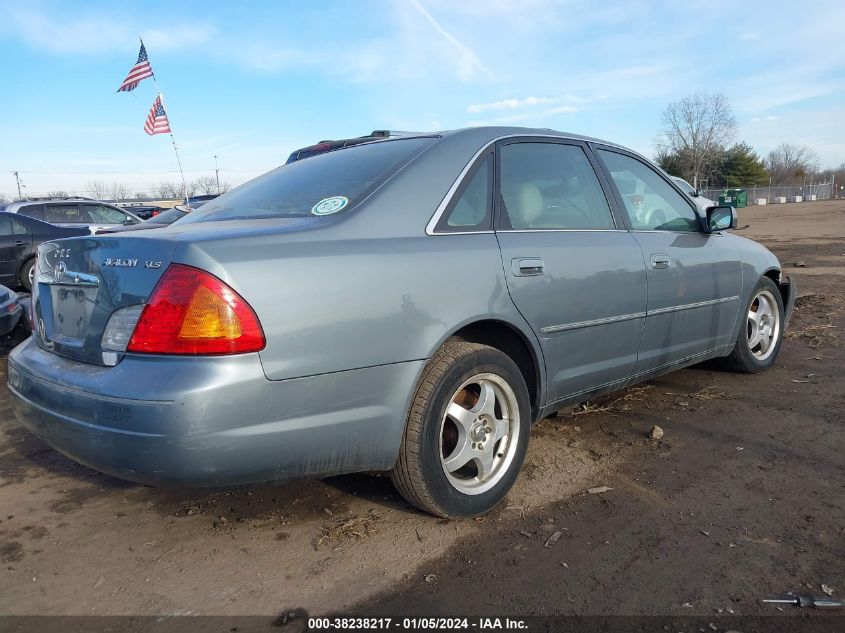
<point x="467" y="432"/>
<point x="759" y="341"/>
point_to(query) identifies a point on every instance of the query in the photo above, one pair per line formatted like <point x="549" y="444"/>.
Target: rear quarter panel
<point x="329" y="305"/>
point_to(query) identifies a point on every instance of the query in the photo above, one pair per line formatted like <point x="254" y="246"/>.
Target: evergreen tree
<point x="742" y="167"/>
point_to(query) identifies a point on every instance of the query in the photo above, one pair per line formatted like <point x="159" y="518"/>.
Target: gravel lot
<point x="743" y="498"/>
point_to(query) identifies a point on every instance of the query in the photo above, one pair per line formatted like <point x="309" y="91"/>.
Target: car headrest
<point x="527" y="205"/>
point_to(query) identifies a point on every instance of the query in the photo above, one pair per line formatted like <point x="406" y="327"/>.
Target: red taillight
<point x="193" y="312"/>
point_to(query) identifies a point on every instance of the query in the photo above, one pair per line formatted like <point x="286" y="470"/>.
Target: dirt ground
<point x="743" y="498"/>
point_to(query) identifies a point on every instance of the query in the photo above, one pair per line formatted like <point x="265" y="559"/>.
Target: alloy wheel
<point x="763" y="329"/>
<point x="479" y="433"/>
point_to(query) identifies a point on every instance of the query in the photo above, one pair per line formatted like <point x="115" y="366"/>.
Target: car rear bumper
<point x="10" y="313"/>
<point x="210" y="421"/>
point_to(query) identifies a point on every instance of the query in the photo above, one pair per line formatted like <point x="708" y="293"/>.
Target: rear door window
<point x="64" y="214"/>
<point x="32" y="211"/>
<point x="551" y="186"/>
<point x="323" y="185"/>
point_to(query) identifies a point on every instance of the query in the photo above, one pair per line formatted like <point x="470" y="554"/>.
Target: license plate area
<point x="72" y="308"/>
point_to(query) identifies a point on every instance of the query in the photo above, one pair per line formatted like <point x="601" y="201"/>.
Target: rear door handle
<point x="659" y="260"/>
<point x="527" y="266"/>
<point x="19" y="243"/>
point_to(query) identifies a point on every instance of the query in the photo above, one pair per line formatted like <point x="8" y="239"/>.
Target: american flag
<point x="141" y="70"/>
<point x="157" y="122"/>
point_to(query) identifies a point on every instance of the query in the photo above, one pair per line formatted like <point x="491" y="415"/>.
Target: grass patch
<point x="348" y="528"/>
<point x="815" y="335"/>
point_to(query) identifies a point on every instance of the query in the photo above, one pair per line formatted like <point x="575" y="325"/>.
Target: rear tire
<point x="466" y="434"/>
<point x="759" y="340"/>
<point x="26" y="274"/>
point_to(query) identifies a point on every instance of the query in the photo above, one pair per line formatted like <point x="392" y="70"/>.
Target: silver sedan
<point x="409" y="304"/>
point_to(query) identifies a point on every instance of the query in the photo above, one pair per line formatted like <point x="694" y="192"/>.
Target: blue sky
<point x="251" y="81"/>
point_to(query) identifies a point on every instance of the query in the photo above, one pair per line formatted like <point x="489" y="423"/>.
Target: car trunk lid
<point x="82" y="281"/>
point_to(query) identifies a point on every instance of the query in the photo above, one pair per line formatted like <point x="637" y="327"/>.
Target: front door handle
<point x="659" y="260"/>
<point x="19" y="243"/>
<point x="527" y="266"/>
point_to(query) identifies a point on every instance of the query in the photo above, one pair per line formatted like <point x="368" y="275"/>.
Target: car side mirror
<point x="721" y="218"/>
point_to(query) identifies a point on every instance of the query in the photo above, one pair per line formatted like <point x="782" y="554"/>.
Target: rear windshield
<point x="322" y="185"/>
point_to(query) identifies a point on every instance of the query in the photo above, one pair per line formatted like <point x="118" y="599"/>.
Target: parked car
<point x="409" y="305"/>
<point x="74" y="212"/>
<point x="195" y="202"/>
<point x="143" y="211"/>
<point x="165" y="218"/>
<point x="702" y="202"/>
<point x="12" y="313"/>
<point x="19" y="239"/>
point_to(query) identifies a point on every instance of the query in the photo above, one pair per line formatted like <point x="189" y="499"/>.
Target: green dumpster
<point x="737" y="198"/>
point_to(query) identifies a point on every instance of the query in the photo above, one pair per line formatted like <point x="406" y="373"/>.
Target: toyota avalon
<point x="408" y="304"/>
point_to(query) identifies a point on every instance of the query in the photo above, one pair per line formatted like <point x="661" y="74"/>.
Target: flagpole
<point x="172" y="139"/>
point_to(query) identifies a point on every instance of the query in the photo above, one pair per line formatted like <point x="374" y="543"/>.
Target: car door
<point x="694" y="277"/>
<point x="8" y="251"/>
<point x="573" y="272"/>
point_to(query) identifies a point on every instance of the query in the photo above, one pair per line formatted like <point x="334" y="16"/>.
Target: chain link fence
<point x="822" y="191"/>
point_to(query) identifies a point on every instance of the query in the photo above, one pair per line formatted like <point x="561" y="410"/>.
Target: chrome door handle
<point x="527" y="266"/>
<point x="659" y="260"/>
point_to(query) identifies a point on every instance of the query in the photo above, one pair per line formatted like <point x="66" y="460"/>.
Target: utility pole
<point x="217" y="174"/>
<point x="18" y="180"/>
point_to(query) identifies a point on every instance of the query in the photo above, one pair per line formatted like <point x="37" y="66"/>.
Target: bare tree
<point x="4" y="199"/>
<point x="139" y="195"/>
<point x="119" y="191"/>
<point x="696" y="129"/>
<point x="205" y="185"/>
<point x="61" y="193"/>
<point x="788" y="161"/>
<point x="98" y="189"/>
<point x="224" y="186"/>
<point x="167" y="190"/>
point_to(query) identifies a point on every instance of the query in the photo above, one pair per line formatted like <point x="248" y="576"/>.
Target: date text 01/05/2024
<point x="415" y="624"/>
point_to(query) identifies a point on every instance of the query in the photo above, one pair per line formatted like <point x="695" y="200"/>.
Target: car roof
<point x="17" y="204"/>
<point x="20" y="203"/>
<point x="25" y="219"/>
<point x="472" y="134"/>
<point x="495" y="132"/>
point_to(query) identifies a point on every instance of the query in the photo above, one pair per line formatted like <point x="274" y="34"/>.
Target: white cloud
<point x="807" y="126"/>
<point x="527" y="117"/>
<point x="508" y="104"/>
<point x="763" y="119"/>
<point x="95" y="34"/>
<point x="562" y="110"/>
